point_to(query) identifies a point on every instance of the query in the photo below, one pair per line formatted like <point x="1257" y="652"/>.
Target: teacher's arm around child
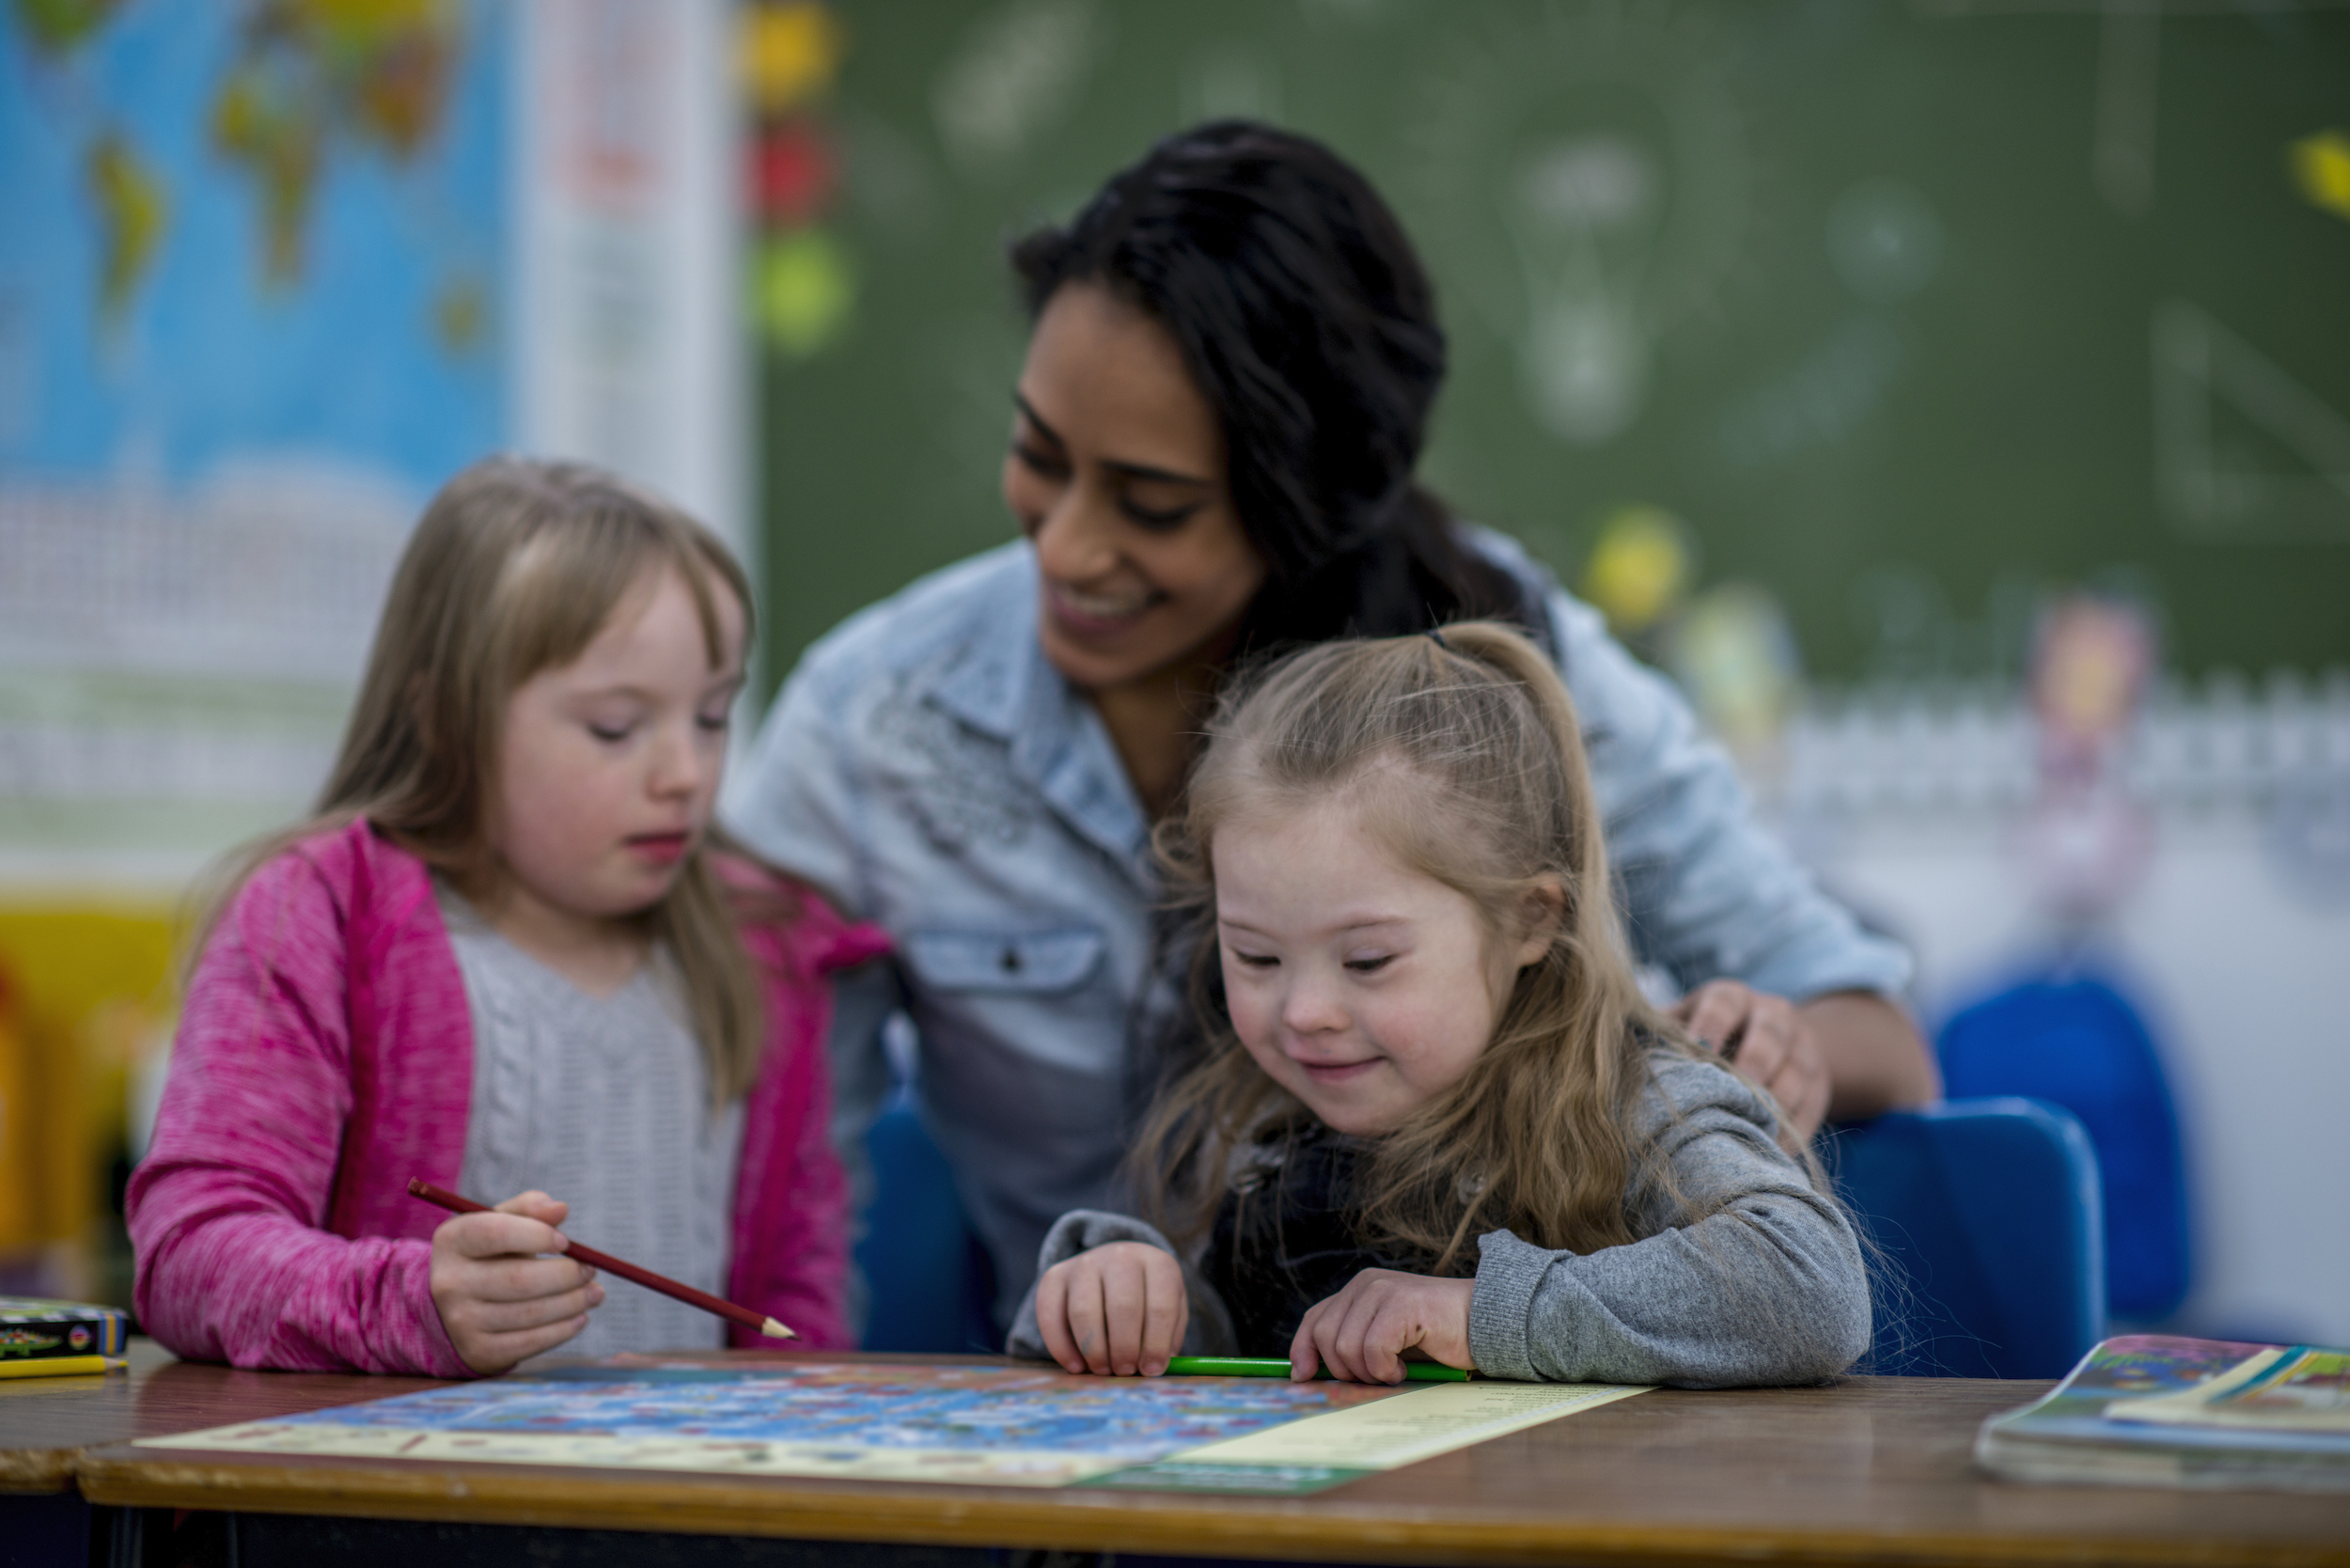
<point x="507" y="956"/>
<point x="1435" y="1113"/>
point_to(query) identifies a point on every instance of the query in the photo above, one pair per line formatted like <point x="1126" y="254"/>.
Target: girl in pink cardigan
<point x="514" y="850"/>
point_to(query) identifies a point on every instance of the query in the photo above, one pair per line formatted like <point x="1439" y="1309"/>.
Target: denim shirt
<point x="932" y="771"/>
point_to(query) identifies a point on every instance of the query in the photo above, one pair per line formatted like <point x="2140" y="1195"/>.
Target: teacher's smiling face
<point x="1117" y="475"/>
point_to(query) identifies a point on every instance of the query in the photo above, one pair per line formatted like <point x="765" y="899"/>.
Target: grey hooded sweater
<point x="1769" y="1288"/>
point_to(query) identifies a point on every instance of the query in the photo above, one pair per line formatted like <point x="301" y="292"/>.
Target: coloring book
<point x="2157" y="1410"/>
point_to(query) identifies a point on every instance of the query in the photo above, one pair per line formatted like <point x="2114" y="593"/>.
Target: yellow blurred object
<point x="1640" y="568"/>
<point x="88" y="994"/>
<point x="59" y="25"/>
<point x="1734" y="653"/>
<point x="804" y="289"/>
<point x="788" y="53"/>
<point x="375" y="17"/>
<point x="131" y="209"/>
<point x="2321" y="164"/>
<point x="2090" y="666"/>
<point x="18" y="1167"/>
<point x="62" y="1366"/>
<point x="460" y="313"/>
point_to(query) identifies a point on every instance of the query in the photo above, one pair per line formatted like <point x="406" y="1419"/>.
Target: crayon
<point x="1268" y="1366"/>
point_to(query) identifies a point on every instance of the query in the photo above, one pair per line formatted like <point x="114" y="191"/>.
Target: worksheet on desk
<point x="982" y="1425"/>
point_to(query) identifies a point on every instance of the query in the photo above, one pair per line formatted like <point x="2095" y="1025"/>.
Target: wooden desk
<point x="47" y="1423"/>
<point x="1872" y="1470"/>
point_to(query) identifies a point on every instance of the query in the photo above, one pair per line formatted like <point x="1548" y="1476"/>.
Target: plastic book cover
<point x="33" y="1329"/>
<point x="2090" y="1427"/>
<point x="2287" y="1389"/>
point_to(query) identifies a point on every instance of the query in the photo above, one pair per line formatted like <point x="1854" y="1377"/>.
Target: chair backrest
<point x="1988" y="1252"/>
<point x="930" y="1286"/>
<point x="2073" y="1041"/>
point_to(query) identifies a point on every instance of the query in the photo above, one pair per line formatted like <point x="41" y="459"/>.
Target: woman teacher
<point x="1226" y="386"/>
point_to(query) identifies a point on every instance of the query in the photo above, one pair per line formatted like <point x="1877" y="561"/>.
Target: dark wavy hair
<point x="1308" y="324"/>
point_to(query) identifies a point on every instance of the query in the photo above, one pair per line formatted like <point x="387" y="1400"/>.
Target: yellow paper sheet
<point x="1419" y="1425"/>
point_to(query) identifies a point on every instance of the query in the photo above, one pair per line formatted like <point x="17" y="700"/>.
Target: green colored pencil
<point x="1267" y="1366"/>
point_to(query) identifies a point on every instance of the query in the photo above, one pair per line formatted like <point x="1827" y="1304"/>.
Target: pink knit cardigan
<point x="325" y="1055"/>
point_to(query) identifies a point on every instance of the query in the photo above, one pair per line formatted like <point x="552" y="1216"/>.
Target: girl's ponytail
<point x="1508" y="652"/>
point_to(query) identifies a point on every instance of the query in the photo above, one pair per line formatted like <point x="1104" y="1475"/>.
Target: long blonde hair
<point x="514" y="569"/>
<point x="1463" y="749"/>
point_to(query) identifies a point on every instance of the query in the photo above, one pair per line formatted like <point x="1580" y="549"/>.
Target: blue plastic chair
<point x="930" y="1285"/>
<point x="1988" y="1257"/>
<point x="2073" y="1041"/>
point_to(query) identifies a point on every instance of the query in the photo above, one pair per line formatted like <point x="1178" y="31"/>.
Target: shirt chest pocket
<point x="1034" y="963"/>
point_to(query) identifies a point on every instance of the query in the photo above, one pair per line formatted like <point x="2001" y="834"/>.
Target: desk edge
<point x="1132" y="1522"/>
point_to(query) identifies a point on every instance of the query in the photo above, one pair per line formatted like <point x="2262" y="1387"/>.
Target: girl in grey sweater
<point x="1433" y="1113"/>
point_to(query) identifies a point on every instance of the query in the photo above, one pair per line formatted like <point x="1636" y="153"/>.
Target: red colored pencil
<point x="645" y="1277"/>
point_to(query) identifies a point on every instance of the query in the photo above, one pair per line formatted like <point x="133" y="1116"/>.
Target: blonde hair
<point x="514" y="569"/>
<point x="1462" y="752"/>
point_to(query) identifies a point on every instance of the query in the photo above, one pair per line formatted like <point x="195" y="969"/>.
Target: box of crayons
<point x="54" y="1338"/>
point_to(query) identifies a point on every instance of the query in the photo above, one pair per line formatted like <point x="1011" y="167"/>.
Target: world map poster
<point x="251" y="314"/>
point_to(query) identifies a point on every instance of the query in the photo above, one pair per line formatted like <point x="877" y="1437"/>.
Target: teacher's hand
<point x="1768" y="1041"/>
<point x="500" y="1298"/>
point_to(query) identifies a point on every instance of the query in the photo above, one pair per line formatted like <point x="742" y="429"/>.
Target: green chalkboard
<point x="1909" y="313"/>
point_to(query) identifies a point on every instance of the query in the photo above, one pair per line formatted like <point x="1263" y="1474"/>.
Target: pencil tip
<point x="775" y="1330"/>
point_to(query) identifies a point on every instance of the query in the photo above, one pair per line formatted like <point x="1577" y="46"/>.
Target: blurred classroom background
<point x="1953" y="396"/>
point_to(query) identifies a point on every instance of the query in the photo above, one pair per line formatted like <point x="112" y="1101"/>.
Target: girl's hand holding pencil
<point x="501" y="1297"/>
<point x="508" y="1302"/>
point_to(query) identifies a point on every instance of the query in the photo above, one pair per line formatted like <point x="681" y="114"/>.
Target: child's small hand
<point x="500" y="1301"/>
<point x="1115" y="1308"/>
<point x="1361" y="1332"/>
